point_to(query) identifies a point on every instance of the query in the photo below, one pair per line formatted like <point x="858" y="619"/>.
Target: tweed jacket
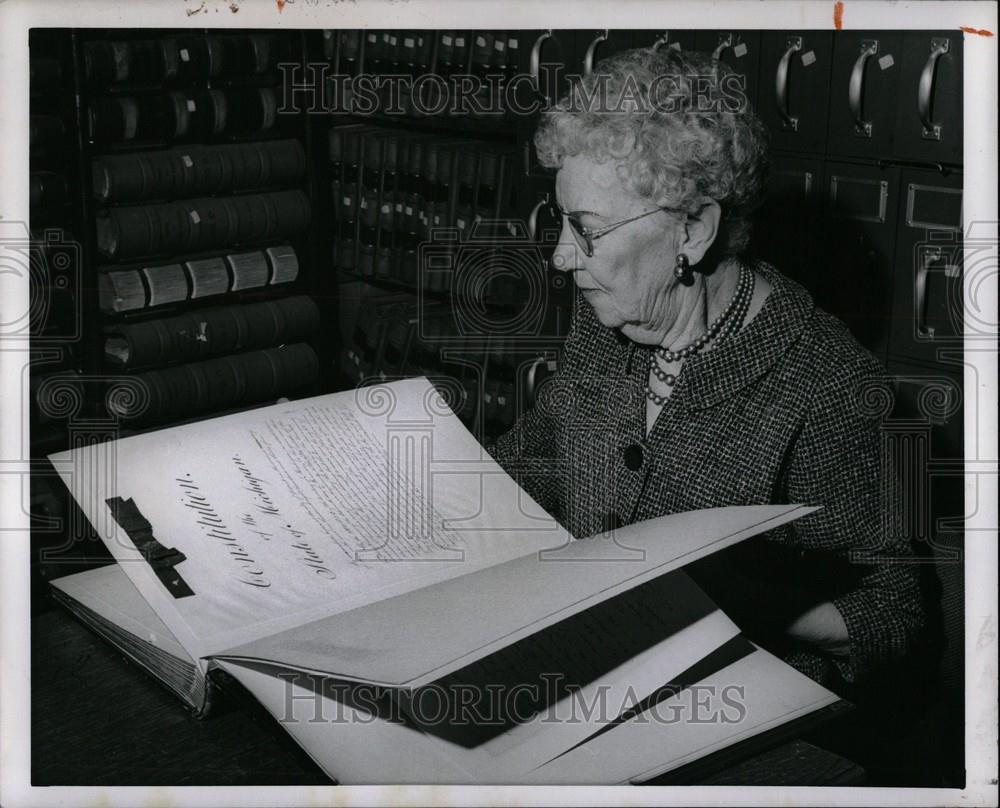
<point x="786" y="411"/>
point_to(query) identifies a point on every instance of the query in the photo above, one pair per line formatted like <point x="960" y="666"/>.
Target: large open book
<point x="362" y="566"/>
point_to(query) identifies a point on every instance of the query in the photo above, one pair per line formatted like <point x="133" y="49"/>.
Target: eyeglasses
<point x="586" y="237"/>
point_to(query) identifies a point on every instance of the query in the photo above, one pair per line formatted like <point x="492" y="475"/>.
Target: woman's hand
<point x="824" y="627"/>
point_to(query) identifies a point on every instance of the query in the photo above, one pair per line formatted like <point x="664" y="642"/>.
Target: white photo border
<point x="980" y="205"/>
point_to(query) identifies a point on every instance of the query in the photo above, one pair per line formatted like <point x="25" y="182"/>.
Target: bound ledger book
<point x="409" y="614"/>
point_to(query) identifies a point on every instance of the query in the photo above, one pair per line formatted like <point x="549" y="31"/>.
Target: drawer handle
<point x="928" y="259"/>
<point x="794" y="45"/>
<point x="856" y="89"/>
<point x="663" y="40"/>
<point x="925" y="91"/>
<point x="536" y="58"/>
<point x="533" y="216"/>
<point x="588" y="58"/>
<point x="725" y="42"/>
<point x="532" y="380"/>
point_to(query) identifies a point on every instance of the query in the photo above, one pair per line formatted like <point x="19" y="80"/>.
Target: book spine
<point x="199" y="58"/>
<point x="121" y="291"/>
<point x="249" y="270"/>
<point x="214" y="331"/>
<point x="197" y="171"/>
<point x="283" y="264"/>
<point x="188" y="58"/>
<point x="209" y="277"/>
<point x="106" y="62"/>
<point x="127" y="290"/>
<point x="166" y="284"/>
<point x="216" y="384"/>
<point x="200" y="224"/>
<point x="182" y="114"/>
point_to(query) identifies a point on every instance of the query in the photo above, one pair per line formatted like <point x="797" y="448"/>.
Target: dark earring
<point x="683" y="270"/>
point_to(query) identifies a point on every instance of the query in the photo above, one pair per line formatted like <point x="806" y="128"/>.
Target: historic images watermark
<point x="315" y="89"/>
<point x="549" y="700"/>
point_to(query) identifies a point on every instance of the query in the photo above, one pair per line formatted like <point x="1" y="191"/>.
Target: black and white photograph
<point x="411" y="403"/>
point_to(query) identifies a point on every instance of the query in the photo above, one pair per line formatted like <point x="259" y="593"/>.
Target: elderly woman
<point x="694" y="377"/>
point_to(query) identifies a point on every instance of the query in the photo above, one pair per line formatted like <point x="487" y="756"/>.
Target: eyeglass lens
<point x="582" y="238"/>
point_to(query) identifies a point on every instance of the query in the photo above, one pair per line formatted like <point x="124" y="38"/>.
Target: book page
<point x="753" y="694"/>
<point x="355" y="737"/>
<point x="525" y="704"/>
<point x="109" y="593"/>
<point x="422" y="635"/>
<point x="287" y="513"/>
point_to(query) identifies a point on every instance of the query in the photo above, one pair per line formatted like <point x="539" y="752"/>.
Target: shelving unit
<point x="426" y="210"/>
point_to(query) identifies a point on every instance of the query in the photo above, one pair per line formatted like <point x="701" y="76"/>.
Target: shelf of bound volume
<point x="195" y="207"/>
<point x="428" y="243"/>
<point x="491" y="57"/>
<point x="393" y="339"/>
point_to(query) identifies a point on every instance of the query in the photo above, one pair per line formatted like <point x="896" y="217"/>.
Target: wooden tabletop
<point x="98" y="719"/>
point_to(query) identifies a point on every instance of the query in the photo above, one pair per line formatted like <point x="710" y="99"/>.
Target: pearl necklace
<point x="728" y="322"/>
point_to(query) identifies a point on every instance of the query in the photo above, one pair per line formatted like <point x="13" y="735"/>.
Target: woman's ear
<point x="701" y="230"/>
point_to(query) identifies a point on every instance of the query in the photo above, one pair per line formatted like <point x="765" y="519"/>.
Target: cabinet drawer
<point x="548" y="57"/>
<point x="929" y="105"/>
<point x="785" y="226"/>
<point x="593" y="45"/>
<point x="863" y="92"/>
<point x="738" y="49"/>
<point x="927" y="297"/>
<point x="795" y="88"/>
<point x="856" y="247"/>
